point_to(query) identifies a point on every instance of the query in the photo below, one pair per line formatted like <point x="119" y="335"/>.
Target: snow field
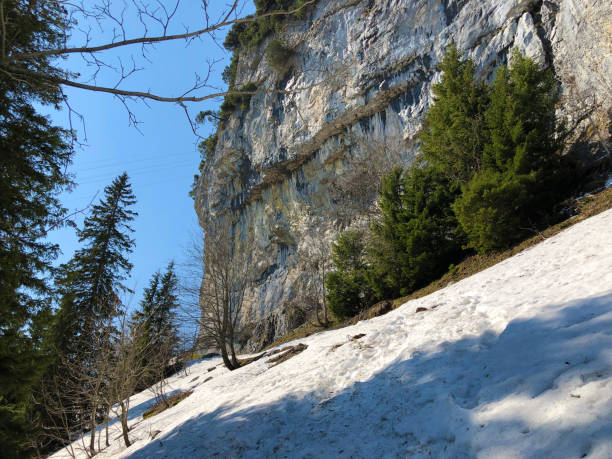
<point x="515" y="361"/>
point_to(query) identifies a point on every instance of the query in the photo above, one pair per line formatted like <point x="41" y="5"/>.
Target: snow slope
<point x="515" y="361"/>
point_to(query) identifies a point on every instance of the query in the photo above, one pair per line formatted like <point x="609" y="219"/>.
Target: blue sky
<point x="161" y="159"/>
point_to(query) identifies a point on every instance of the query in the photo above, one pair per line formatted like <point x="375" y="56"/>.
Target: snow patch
<point x="515" y="361"/>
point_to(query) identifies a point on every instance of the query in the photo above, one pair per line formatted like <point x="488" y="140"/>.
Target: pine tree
<point x="34" y="155"/>
<point x="91" y="284"/>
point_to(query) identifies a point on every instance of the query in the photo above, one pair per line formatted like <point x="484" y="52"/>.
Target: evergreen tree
<point x="348" y="289"/>
<point x="90" y="285"/>
<point x="454" y="130"/>
<point x="34" y="155"/>
<point x="523" y="173"/>
<point x="156" y="319"/>
<point x="418" y="236"/>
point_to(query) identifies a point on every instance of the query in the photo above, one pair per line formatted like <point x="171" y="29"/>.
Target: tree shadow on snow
<point x="439" y="404"/>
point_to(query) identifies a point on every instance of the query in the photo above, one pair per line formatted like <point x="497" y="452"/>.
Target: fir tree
<point x="156" y="319"/>
<point x="418" y="236"/>
<point x="34" y="155"/>
<point x="91" y="284"/>
<point x="348" y="289"/>
<point x="523" y="173"/>
<point x="453" y="133"/>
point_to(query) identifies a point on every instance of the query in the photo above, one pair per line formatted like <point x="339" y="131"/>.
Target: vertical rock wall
<point x="358" y="86"/>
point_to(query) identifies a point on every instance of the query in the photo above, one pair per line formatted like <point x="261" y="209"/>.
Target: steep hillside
<point x="299" y="161"/>
<point x="515" y="361"/>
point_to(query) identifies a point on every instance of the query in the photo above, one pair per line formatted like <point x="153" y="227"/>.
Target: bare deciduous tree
<point x="131" y="27"/>
<point x="354" y="191"/>
<point x="227" y="276"/>
<point x="315" y="257"/>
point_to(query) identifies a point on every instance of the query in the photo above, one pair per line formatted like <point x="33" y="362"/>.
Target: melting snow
<point x="515" y="361"/>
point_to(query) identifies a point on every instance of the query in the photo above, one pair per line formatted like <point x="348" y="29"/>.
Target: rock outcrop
<point x="356" y="90"/>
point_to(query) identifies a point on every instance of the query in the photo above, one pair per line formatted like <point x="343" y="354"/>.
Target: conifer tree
<point x="418" y="236"/>
<point x="34" y="155"/>
<point x="91" y="284"/>
<point x="156" y="320"/>
<point x="348" y="288"/>
<point x="454" y="130"/>
<point x="523" y="173"/>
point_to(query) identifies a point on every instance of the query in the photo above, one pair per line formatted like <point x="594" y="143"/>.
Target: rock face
<point x="357" y="89"/>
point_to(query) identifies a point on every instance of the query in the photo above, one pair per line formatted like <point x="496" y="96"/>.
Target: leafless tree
<point x="76" y="397"/>
<point x="315" y="257"/>
<point x="126" y="26"/>
<point x="227" y="276"/>
<point x="127" y="371"/>
<point x="354" y="191"/>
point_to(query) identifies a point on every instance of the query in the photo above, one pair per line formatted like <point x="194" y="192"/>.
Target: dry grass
<point x="286" y="353"/>
<point x="164" y="405"/>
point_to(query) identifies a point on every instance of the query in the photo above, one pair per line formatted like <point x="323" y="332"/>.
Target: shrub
<point x="248" y="35"/>
<point x="232" y="102"/>
<point x="278" y="56"/>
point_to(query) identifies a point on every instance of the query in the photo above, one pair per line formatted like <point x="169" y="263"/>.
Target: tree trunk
<point x="226" y="360"/>
<point x="106" y="416"/>
<point x="234" y="359"/>
<point x="92" y="438"/>
<point x="124" y="424"/>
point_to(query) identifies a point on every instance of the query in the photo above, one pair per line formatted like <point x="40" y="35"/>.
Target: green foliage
<point x="454" y="131"/>
<point x="501" y="144"/>
<point x="417" y="237"/>
<point x="278" y="56"/>
<point x="235" y="100"/>
<point x="248" y="35"/>
<point x="348" y="290"/>
<point x="206" y="148"/>
<point x="34" y="156"/>
<point x="229" y="74"/>
<point x="523" y="174"/>
<point x="156" y="319"/>
<point x="488" y="209"/>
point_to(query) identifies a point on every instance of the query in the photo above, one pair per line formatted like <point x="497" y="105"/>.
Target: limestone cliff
<point x="358" y="84"/>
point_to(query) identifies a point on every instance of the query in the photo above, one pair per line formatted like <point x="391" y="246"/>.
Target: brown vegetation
<point x="165" y="404"/>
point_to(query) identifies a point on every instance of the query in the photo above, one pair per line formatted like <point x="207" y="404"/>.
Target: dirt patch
<point x="245" y="362"/>
<point x="421" y="309"/>
<point x="287" y="353"/>
<point x="379" y="309"/>
<point x="165" y="404"/>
